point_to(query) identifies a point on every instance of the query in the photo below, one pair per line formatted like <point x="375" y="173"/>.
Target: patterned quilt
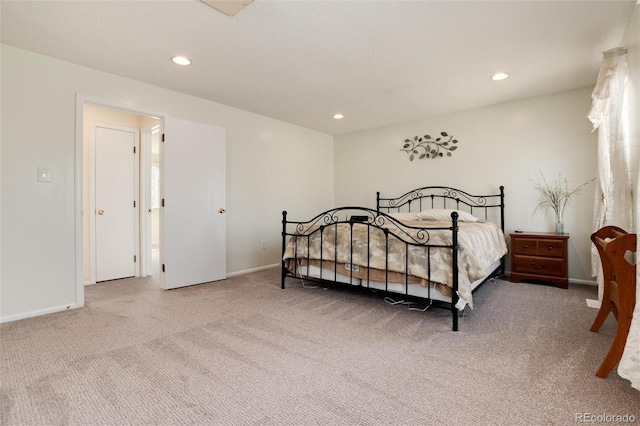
<point x="481" y="244"/>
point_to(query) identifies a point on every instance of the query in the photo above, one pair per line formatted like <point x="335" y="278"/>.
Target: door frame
<point x="81" y="101"/>
<point x="92" y="197"/>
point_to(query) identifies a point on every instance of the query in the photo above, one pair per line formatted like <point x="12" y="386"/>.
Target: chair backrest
<point x="600" y="239"/>
<point x="623" y="270"/>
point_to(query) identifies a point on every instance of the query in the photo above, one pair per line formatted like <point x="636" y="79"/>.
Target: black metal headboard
<point x="445" y="197"/>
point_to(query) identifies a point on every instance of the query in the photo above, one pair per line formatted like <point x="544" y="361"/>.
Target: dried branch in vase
<point x="556" y="194"/>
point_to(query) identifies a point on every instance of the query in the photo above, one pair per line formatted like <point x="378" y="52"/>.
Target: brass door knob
<point x="100" y="211"/>
<point x="221" y="210"/>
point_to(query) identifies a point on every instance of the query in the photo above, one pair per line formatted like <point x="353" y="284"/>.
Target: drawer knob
<point x="526" y="246"/>
<point x="550" y="247"/>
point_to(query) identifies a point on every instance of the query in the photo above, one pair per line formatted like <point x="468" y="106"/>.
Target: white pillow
<point x="445" y="214"/>
<point x="404" y="216"/>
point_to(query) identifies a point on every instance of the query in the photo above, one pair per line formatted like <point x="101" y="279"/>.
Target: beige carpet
<point x="244" y="352"/>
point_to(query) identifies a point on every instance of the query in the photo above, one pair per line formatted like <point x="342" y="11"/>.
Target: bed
<point x="433" y="246"/>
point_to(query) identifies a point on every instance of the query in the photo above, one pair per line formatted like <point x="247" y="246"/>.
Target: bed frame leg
<point x="454" y="312"/>
<point x="283" y="267"/>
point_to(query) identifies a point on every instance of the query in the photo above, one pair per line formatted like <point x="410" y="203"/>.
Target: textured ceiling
<point x="376" y="62"/>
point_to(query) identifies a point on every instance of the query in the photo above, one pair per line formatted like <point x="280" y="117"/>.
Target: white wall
<point x="505" y="144"/>
<point x="269" y="163"/>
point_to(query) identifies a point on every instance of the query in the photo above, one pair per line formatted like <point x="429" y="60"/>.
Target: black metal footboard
<point x="348" y="237"/>
<point x="360" y="242"/>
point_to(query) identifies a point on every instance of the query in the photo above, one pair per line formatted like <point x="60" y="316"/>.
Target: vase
<point x="559" y="228"/>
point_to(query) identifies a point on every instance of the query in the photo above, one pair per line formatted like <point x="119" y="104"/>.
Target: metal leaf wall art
<point x="428" y="147"/>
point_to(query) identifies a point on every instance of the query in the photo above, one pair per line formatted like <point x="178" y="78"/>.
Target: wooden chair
<point x="599" y="238"/>
<point x="620" y="290"/>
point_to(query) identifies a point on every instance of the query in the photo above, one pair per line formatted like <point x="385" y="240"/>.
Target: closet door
<point x="193" y="217"/>
<point x="115" y="214"/>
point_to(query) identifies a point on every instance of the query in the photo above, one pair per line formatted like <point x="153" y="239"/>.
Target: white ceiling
<point x="376" y="62"/>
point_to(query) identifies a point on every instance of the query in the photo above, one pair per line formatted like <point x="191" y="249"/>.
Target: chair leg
<point x="606" y="306"/>
<point x="617" y="347"/>
<point x="605" y="309"/>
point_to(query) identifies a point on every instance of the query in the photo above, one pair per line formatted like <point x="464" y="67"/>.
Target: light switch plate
<point x="44" y="174"/>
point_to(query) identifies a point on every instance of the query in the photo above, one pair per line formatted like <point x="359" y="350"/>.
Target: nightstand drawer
<point x="538" y="266"/>
<point x="524" y="246"/>
<point x="551" y="248"/>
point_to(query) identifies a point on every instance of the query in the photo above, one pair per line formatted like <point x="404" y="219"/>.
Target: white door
<point x="115" y="202"/>
<point x="193" y="218"/>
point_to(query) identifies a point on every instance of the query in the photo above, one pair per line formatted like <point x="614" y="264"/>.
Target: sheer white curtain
<point x="613" y="200"/>
<point x="614" y="193"/>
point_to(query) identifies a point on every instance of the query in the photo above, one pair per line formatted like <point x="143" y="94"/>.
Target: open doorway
<point x="150" y="188"/>
<point x="103" y="126"/>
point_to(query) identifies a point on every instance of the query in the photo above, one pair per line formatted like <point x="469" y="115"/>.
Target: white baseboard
<point x="585" y="282"/>
<point x="37" y="313"/>
<point x="248" y="271"/>
<point x="571" y="280"/>
<point x="592" y="303"/>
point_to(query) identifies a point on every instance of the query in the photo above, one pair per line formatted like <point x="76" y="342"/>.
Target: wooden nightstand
<point x="540" y="256"/>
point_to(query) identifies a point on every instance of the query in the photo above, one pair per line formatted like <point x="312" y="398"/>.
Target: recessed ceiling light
<point x="499" y="76"/>
<point x="181" y="60"/>
<point x="338" y="116"/>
